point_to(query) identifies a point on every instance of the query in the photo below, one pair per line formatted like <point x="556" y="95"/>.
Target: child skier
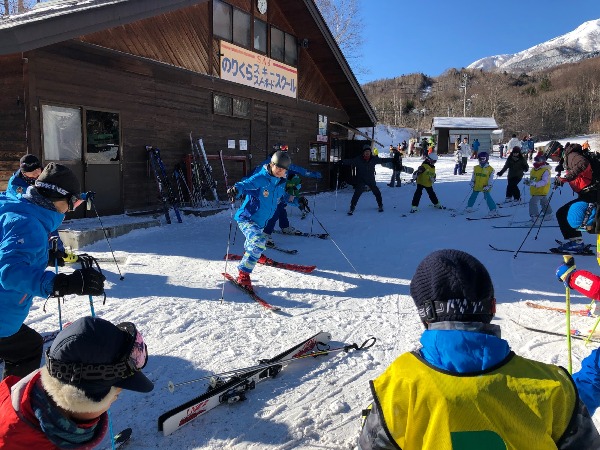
<point x="539" y="185"/>
<point x="263" y="190"/>
<point x="458" y="159"/>
<point x="516" y="164"/>
<point x="425" y="177"/>
<point x="482" y="181"/>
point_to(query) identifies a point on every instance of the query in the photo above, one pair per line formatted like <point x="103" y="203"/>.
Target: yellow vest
<point x="482" y="176"/>
<point x="536" y="175"/>
<point x="522" y="404"/>
<point x="424" y="178"/>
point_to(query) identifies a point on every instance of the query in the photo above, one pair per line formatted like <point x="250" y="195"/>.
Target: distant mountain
<point x="581" y="43"/>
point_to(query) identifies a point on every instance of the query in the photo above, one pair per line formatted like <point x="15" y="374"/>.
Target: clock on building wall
<point x="262" y="6"/>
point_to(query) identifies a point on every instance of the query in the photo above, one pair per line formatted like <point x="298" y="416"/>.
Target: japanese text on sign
<point x="252" y="69"/>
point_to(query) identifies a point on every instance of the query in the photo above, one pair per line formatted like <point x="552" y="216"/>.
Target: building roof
<point x="465" y="123"/>
<point x="61" y="20"/>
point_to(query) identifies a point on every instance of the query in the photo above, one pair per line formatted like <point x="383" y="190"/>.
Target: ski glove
<point x="86" y="281"/>
<point x="564" y="271"/>
<point x="232" y="193"/>
<point x="303" y="204"/>
<point x="56" y="257"/>
<point x="487" y="188"/>
<point x="526" y="181"/>
<point x="558" y="182"/>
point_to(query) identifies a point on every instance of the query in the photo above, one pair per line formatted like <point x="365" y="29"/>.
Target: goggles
<point x="134" y="360"/>
<point x="73" y="201"/>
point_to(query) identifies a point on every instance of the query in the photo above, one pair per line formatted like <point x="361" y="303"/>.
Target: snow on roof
<point x="53" y="8"/>
<point x="471" y="123"/>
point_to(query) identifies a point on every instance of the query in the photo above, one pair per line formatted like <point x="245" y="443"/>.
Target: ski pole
<point x="227" y="251"/>
<point x="89" y="197"/>
<point x="346" y="348"/>
<point x="543" y="215"/>
<point x="337" y="183"/>
<point x="337" y="246"/>
<point x="566" y="259"/>
<point x="589" y="338"/>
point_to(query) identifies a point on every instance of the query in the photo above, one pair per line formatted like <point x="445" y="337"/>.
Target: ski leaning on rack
<point x="252" y="294"/>
<point x="575" y="334"/>
<point x="540" y="252"/>
<point x="212" y="184"/>
<point x="233" y="389"/>
<point x="272" y="263"/>
<point x="164" y="186"/>
<point x="585" y="312"/>
<point x="301" y="233"/>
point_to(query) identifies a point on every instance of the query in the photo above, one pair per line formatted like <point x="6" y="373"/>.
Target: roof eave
<point x="34" y="34"/>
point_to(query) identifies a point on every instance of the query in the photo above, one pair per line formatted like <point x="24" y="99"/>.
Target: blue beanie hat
<point x="577" y="213"/>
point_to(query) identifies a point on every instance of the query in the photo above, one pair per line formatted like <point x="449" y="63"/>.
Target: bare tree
<point x="343" y="19"/>
<point x="8" y="7"/>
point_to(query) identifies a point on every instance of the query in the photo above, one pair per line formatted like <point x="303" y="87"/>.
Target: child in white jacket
<point x="458" y="162"/>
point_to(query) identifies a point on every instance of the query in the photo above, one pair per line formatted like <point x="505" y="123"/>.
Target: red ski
<point x="270" y="262"/>
<point x="252" y="294"/>
<point x="586" y="312"/>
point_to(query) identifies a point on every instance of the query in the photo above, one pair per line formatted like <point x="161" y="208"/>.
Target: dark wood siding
<point x="13" y="140"/>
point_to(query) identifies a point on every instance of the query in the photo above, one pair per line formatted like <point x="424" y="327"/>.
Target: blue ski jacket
<point x="293" y="169"/>
<point x="24" y="228"/>
<point x="263" y="192"/>
<point x="16" y="185"/>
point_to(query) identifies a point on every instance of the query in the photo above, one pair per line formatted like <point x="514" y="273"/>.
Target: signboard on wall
<point x="243" y="66"/>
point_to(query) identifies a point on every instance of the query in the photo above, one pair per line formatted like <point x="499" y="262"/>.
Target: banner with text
<point x="253" y="69"/>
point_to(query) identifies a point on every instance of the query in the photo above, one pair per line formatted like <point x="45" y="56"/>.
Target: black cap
<point x="29" y="163"/>
<point x="451" y="285"/>
<point x="57" y="182"/>
<point x="95" y="341"/>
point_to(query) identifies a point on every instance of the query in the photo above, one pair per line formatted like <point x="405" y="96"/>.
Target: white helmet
<point x="432" y="156"/>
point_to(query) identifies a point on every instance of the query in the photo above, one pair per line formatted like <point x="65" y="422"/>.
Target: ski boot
<point x="269" y="242"/>
<point x="351" y="211"/>
<point x="243" y="279"/>
<point x="288" y="230"/>
<point x="439" y="206"/>
<point x="413" y="209"/>
<point x="572" y="246"/>
<point x="380" y="209"/>
<point x="493" y="213"/>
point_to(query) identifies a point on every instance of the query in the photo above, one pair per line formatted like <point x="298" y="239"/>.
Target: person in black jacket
<point x="396" y="166"/>
<point x="365" y="176"/>
<point x="516" y="164"/>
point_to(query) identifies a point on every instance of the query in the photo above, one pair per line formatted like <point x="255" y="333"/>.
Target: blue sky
<point x="430" y="36"/>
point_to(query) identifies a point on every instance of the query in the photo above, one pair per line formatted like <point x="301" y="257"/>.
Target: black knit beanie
<point x="29" y="163"/>
<point x="451" y="285"/>
<point x="57" y="182"/>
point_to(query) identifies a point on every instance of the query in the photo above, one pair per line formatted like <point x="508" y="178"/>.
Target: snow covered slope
<point x="581" y="43"/>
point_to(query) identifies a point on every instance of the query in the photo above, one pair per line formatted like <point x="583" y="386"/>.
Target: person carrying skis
<point x="425" y="177"/>
<point x="263" y="190"/>
<point x="539" y="185"/>
<point x="396" y="166"/>
<point x="516" y="164"/>
<point x="365" y="176"/>
<point x="63" y="404"/>
<point x="482" y="180"/>
<point x="465" y="384"/>
<point x="26" y="222"/>
<point x="580" y="177"/>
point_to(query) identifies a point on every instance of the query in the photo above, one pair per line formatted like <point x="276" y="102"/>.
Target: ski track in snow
<point x="173" y="288"/>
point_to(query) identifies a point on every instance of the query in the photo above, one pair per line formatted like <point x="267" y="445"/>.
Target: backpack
<point x="594" y="160"/>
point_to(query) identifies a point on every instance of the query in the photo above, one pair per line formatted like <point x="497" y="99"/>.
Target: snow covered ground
<point x="173" y="289"/>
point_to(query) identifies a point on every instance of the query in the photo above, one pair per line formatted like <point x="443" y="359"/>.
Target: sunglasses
<point x="134" y="360"/>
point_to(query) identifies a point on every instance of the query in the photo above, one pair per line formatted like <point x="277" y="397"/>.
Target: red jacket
<point x="579" y="170"/>
<point x="19" y="428"/>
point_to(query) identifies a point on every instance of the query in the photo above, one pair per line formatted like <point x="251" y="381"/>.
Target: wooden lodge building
<point x="91" y="83"/>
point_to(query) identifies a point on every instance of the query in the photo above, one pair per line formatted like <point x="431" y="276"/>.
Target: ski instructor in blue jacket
<point x="263" y="190"/>
<point x="25" y="223"/>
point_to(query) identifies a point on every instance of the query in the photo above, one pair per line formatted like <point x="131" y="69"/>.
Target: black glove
<point x="81" y="282"/>
<point x="303" y="204"/>
<point x="232" y="193"/>
<point x="56" y="257"/>
<point x="557" y="182"/>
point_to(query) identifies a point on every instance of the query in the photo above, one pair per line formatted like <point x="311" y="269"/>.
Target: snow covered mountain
<point x="581" y="43"/>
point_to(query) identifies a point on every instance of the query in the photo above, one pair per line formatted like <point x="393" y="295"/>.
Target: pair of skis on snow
<point x="231" y="387"/>
<point x="267" y="262"/>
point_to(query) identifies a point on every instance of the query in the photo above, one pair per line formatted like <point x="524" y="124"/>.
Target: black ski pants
<point x="359" y="188"/>
<point x="417" y="197"/>
<point x="512" y="188"/>
<point x="563" y="211"/>
<point x="21" y="352"/>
